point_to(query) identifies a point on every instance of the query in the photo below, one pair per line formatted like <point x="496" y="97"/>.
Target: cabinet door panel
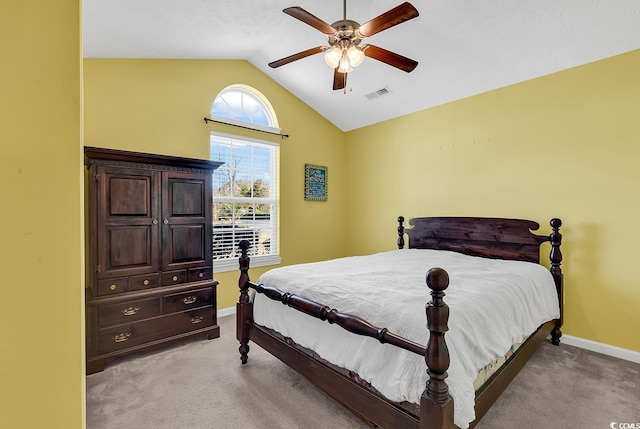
<point x="128" y="241"/>
<point x="185" y="197"/>
<point x="129" y="196"/>
<point x="128" y="193"/>
<point x="187" y="242"/>
<point x="128" y="246"/>
<point x="186" y="233"/>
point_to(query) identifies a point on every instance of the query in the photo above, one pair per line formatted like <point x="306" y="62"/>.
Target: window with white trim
<point x="245" y="187"/>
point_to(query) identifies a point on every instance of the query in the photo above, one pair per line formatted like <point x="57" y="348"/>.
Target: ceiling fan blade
<point x="395" y="16"/>
<point x="339" y="79"/>
<point x="298" y="56"/>
<point x="312" y="20"/>
<point x="388" y="57"/>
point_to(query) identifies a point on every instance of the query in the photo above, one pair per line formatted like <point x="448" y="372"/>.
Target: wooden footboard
<point x="436" y="405"/>
<point x="496" y="238"/>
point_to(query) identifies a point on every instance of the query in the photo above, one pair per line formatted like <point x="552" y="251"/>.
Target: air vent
<point x="378" y="93"/>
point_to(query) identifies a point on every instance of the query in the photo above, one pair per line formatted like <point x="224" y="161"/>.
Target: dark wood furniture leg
<point x="556" y="259"/>
<point x="436" y="405"/>
<point x="244" y="307"/>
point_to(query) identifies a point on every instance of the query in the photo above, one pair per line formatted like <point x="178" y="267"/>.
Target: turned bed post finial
<point x="436" y="406"/>
<point x="244" y="271"/>
<point x="400" y="232"/>
<point x="556" y="259"/>
<point x="243" y="307"/>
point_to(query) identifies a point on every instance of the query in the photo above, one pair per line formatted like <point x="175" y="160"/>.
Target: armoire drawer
<point x="174" y="277"/>
<point x="133" y="334"/>
<point x="128" y="311"/>
<point x="186" y="300"/>
<point x="112" y="286"/>
<point x="145" y="281"/>
<point x="199" y="274"/>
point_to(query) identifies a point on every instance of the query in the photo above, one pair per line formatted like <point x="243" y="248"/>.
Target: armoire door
<point x="128" y="222"/>
<point x="186" y="232"/>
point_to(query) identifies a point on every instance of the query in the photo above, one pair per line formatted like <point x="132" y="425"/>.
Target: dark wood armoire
<point x="149" y="252"/>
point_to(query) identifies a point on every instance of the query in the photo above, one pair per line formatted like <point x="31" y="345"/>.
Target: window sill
<point x="256" y="261"/>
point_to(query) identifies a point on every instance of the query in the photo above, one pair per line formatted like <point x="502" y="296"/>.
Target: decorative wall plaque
<point x="315" y="182"/>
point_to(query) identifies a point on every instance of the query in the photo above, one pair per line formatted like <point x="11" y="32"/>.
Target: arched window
<point x="245" y="187"/>
<point x="243" y="105"/>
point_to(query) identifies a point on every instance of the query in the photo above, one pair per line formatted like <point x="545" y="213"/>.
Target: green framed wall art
<point x="315" y="182"/>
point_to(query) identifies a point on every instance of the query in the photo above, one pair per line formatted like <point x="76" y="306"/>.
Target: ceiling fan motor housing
<point x="345" y="30"/>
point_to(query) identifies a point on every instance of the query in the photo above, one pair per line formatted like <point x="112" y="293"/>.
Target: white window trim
<point x="245" y="124"/>
<point x="225" y="265"/>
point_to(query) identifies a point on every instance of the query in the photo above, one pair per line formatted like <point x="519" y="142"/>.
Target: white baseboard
<point x="605" y="349"/>
<point x="227" y="311"/>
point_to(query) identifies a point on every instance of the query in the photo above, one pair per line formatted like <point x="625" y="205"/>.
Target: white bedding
<point x="494" y="304"/>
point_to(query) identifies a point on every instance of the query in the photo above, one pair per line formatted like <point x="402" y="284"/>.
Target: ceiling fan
<point x="344" y="51"/>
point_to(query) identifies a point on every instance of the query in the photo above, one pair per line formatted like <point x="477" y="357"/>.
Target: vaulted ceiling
<point x="463" y="47"/>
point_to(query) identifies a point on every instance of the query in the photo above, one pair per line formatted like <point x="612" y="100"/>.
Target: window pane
<point x="221" y="183"/>
<point x="220" y="108"/>
<point x="243" y="157"/>
<point x="223" y="213"/>
<point x="223" y="242"/>
<point x="242" y="185"/>
<point x="242" y="105"/>
<point x="261" y="188"/>
<point x="233" y="99"/>
<point x="262" y="158"/>
<point x="260" y="117"/>
<point x="236" y="217"/>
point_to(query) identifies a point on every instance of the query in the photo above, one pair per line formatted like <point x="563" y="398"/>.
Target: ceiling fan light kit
<point x="344" y="37"/>
<point x="356" y="56"/>
<point x="332" y="57"/>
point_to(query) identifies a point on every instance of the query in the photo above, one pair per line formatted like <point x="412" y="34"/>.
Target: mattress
<point x="494" y="304"/>
<point x="484" y="374"/>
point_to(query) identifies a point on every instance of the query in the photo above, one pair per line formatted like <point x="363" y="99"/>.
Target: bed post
<point x="244" y="310"/>
<point x="400" y="232"/>
<point x="436" y="405"/>
<point x="556" y="259"/>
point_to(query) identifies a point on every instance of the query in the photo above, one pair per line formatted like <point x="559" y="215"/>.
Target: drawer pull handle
<point x="197" y="319"/>
<point x="175" y="278"/>
<point x="121" y="337"/>
<point x="166" y="222"/>
<point x="113" y="287"/>
<point x="146" y="282"/>
<point x="201" y="275"/>
<point x="189" y="300"/>
<point x="155" y="221"/>
<point x="130" y="311"/>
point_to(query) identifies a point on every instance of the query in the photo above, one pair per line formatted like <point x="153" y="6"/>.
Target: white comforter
<point x="494" y="304"/>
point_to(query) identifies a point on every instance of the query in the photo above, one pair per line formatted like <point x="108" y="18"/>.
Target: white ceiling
<point x="464" y="47"/>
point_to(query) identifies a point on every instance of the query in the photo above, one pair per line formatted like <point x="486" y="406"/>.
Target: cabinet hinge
<point x="99" y="268"/>
<point x="96" y="176"/>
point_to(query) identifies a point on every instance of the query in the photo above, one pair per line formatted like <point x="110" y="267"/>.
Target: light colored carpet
<point x="201" y="384"/>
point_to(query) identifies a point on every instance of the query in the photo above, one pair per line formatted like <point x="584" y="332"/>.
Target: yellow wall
<point x="560" y="146"/>
<point x="158" y="106"/>
<point x="41" y="322"/>
<point x="564" y="145"/>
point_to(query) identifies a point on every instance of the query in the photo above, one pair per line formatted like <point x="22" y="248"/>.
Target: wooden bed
<point x="496" y="238"/>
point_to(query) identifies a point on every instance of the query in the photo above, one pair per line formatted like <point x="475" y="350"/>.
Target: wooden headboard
<point x="489" y="237"/>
